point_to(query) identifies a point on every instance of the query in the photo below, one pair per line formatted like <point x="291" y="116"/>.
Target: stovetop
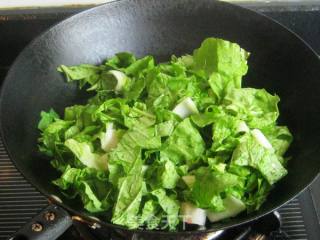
<point x="19" y="201"/>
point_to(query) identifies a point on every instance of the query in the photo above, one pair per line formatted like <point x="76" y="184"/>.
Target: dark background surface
<point x="18" y="28"/>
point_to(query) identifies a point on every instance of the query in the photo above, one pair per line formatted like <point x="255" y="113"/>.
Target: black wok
<point x="279" y="62"/>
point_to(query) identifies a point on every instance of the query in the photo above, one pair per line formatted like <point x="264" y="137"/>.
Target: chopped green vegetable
<point x="169" y="205"/>
<point x="250" y="152"/>
<point x="129" y="197"/>
<point x="158" y="141"/>
<point x="233" y="207"/>
<point x="209" y="186"/>
<point x="185" y="145"/>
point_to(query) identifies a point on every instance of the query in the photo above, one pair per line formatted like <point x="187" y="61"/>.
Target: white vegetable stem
<point x="193" y="215"/>
<point x="186" y="108"/>
<point x="242" y="127"/>
<point x="261" y="139"/>
<point x="189" y="180"/>
<point x="120" y="77"/>
<point x="109" y="139"/>
<point x="233" y="207"/>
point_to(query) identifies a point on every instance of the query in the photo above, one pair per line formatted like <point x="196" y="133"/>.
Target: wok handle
<point x="49" y="224"/>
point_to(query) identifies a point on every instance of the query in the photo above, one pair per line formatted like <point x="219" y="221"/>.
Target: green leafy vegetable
<point x="84" y="153"/>
<point x="251" y="153"/>
<point x="154" y="137"/>
<point x="255" y="106"/>
<point x="185" y="145"/>
<point x="149" y="214"/>
<point x="170" y="206"/>
<point x="168" y="175"/>
<point x="279" y="137"/>
<point x="91" y="185"/>
<point x="129" y="197"/>
<point x="209" y="186"/>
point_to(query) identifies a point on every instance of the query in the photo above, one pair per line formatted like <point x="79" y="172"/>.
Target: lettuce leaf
<point x="83" y="152"/>
<point x="170" y="206"/>
<point x="47" y="118"/>
<point x="218" y="55"/>
<point x="153" y="135"/>
<point x="209" y="186"/>
<point x="91" y="185"/>
<point x="149" y="214"/>
<point x="223" y="62"/>
<point x="129" y="197"/>
<point x="185" y="145"/>
<point x="279" y="137"/>
<point x="250" y="153"/>
<point x="84" y="73"/>
<point x="225" y="133"/>
<point x="255" y="106"/>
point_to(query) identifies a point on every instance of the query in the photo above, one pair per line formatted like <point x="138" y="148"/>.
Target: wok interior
<point x="279" y="62"/>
